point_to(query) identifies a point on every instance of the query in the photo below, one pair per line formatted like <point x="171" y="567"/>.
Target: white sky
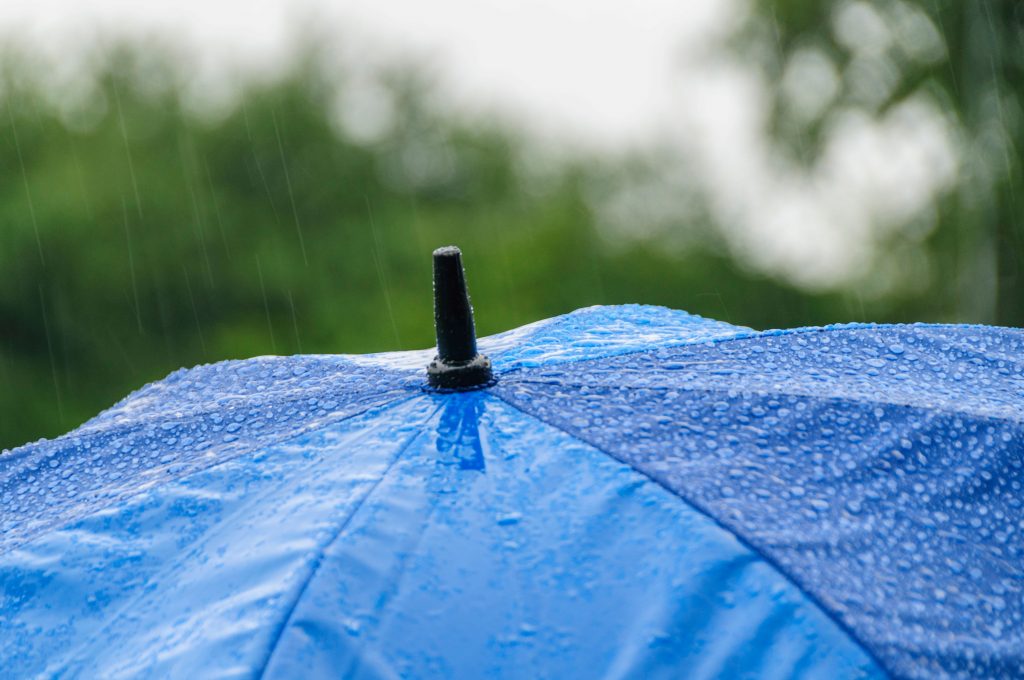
<point x="606" y="74"/>
<point x="597" y="69"/>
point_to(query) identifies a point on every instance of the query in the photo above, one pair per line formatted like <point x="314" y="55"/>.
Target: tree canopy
<point x="139" y="235"/>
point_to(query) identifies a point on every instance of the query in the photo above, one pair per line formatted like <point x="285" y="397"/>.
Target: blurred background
<point x="186" y="182"/>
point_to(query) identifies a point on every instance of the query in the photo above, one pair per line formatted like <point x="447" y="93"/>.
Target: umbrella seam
<point x="88" y="429"/>
<point x="241" y="452"/>
<point x="807" y="330"/>
<point x="125" y="606"/>
<point x="854" y="638"/>
<point x="96" y="425"/>
<point x="181" y="372"/>
<point x="321" y="553"/>
<point x="765" y="393"/>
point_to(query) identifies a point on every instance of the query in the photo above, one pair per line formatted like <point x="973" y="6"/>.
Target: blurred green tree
<point x="969" y="58"/>
<point x="138" y="235"/>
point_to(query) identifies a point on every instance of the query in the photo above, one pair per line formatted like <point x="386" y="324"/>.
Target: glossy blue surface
<point x="443" y="536"/>
<point x="880" y="468"/>
<point x="643" y="494"/>
<point x="497" y="547"/>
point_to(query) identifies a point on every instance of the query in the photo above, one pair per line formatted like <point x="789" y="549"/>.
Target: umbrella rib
<point x="856" y="639"/>
<point x="755" y="335"/>
<point x="321" y="552"/>
<point x="1009" y="420"/>
<point x="391" y="401"/>
<point x="127" y="605"/>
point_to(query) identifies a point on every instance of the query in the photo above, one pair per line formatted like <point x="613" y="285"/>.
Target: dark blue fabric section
<point x="880" y="468"/>
<point x="189" y="421"/>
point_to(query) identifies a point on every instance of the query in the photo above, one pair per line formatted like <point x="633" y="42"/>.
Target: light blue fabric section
<point x="498" y="547"/>
<point x="605" y="331"/>
<point x="192" y="578"/>
<point x="443" y="536"/>
<point x="191" y="420"/>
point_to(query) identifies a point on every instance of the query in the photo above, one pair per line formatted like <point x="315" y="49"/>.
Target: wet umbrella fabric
<point x="643" y="493"/>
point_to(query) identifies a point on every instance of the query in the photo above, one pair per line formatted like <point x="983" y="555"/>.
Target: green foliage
<point x="975" y="76"/>
<point x="137" y="236"/>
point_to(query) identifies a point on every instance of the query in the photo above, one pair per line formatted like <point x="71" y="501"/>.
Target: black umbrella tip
<point x="457" y="365"/>
<point x="447" y="251"/>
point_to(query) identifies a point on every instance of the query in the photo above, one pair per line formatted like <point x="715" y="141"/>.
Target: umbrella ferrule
<point x="457" y="365"/>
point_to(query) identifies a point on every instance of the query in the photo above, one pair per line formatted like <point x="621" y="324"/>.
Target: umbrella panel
<point x="450" y="536"/>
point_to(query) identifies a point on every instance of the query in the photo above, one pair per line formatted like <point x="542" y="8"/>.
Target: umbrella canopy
<point x="631" y="492"/>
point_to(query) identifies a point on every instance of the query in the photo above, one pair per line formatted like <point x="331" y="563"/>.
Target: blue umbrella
<point x="622" y="491"/>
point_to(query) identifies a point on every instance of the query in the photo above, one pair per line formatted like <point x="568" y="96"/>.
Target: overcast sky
<point x="603" y="70"/>
<point x="611" y="75"/>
